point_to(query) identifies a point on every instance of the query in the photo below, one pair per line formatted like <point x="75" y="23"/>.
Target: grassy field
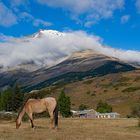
<point x="73" y="129"/>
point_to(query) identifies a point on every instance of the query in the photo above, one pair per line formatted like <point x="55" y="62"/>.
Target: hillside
<point x="121" y="90"/>
<point x="78" y="66"/>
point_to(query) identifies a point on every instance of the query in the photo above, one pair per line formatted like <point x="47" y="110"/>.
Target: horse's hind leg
<point x="31" y="119"/>
<point x="52" y="119"/>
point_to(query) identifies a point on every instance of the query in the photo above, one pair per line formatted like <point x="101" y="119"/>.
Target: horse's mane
<point x="21" y="108"/>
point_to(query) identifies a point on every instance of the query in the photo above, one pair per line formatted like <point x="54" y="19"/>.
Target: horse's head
<point x="17" y="124"/>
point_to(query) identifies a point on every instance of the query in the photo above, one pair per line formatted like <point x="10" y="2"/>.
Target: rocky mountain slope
<point x="78" y="66"/>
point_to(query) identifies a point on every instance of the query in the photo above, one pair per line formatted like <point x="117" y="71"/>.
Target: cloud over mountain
<point x="49" y="47"/>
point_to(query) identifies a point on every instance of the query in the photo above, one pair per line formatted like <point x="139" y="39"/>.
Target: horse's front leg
<point x="31" y="119"/>
<point x="32" y="124"/>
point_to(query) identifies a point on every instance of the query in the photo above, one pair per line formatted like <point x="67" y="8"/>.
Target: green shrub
<point x="88" y="92"/>
<point x="137" y="79"/>
<point x="123" y="79"/>
<point x="83" y="107"/>
<point x="105" y="90"/>
<point x="131" y="89"/>
<point x="93" y="94"/>
<point x="116" y="88"/>
<point x="136" y="112"/>
<point x="88" y="82"/>
<point x="120" y="85"/>
<point x="103" y="107"/>
<point x="139" y="123"/>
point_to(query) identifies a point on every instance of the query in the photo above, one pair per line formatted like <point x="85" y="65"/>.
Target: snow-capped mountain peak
<point x="48" y="33"/>
<point x="50" y="47"/>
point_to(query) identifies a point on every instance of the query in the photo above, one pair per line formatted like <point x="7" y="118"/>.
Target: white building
<point x="112" y="115"/>
<point x="93" y="114"/>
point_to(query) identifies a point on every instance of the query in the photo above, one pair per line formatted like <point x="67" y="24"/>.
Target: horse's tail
<point x="56" y="115"/>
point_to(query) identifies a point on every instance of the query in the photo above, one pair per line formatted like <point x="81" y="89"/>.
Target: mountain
<point x="50" y="57"/>
<point x="78" y="66"/>
<point x="48" y="48"/>
<point x="31" y="52"/>
<point x="79" y="63"/>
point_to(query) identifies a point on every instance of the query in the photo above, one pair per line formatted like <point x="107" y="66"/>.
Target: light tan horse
<point x="37" y="106"/>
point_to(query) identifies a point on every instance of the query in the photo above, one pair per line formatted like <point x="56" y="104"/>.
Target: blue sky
<point x="117" y="22"/>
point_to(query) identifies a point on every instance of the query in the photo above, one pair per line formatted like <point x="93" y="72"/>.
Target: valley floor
<point x="73" y="129"/>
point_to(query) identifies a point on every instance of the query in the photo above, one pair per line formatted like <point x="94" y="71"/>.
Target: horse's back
<point x="51" y="102"/>
<point x="35" y="105"/>
<point x="50" y="98"/>
<point x="40" y="105"/>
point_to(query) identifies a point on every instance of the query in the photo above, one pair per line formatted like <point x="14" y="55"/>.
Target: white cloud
<point x="125" y="19"/>
<point x="138" y="5"/>
<point x="7" y="17"/>
<point x="50" y="47"/>
<point x="94" y="10"/>
<point x="4" y="38"/>
<point x="36" y="22"/>
<point x="16" y="3"/>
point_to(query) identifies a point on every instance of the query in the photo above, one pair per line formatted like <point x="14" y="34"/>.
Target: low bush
<point x="131" y="89"/>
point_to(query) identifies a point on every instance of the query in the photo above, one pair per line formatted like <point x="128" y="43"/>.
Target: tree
<point x="64" y="104"/>
<point x="103" y="107"/>
<point x="11" y="99"/>
<point x="6" y="97"/>
<point x="136" y="112"/>
<point x="83" y="107"/>
<point x="17" y="98"/>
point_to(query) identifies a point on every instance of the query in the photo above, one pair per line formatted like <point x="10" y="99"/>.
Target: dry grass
<point x="73" y="129"/>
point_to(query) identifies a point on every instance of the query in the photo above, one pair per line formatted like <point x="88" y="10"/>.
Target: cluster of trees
<point x="103" y="107"/>
<point x="11" y="99"/>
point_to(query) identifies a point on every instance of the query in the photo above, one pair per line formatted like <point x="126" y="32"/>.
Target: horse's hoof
<point x="33" y="128"/>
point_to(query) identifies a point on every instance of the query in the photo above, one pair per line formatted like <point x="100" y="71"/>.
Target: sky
<point x="116" y="22"/>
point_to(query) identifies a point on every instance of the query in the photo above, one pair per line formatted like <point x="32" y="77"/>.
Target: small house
<point x="112" y="115"/>
<point x="93" y="114"/>
<point x="85" y="113"/>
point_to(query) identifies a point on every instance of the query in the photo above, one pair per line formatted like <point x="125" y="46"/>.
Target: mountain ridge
<point x="78" y="66"/>
<point x="50" y="47"/>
